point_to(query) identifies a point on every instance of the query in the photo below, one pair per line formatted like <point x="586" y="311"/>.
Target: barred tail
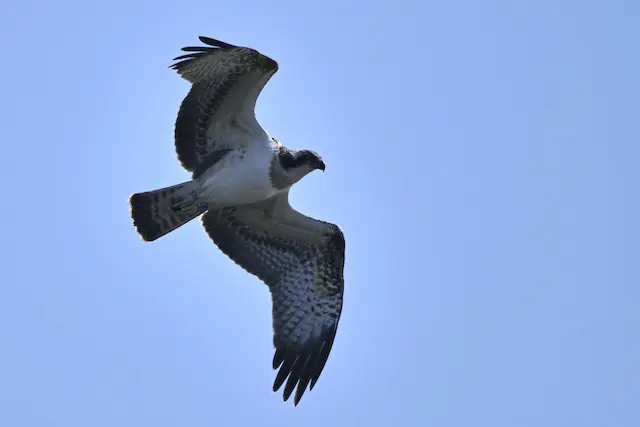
<point x="158" y="212"/>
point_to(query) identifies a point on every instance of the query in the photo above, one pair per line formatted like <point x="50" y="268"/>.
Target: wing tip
<point x="301" y="369"/>
<point x="213" y="46"/>
<point x="199" y="52"/>
<point x="214" y="42"/>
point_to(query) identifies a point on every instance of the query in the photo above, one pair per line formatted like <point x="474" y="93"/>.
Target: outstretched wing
<point x="226" y="82"/>
<point x="301" y="260"/>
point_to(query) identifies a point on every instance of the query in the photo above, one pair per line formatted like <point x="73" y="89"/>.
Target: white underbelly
<point x="239" y="181"/>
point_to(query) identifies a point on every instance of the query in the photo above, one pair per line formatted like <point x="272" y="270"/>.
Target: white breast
<point x="243" y="177"/>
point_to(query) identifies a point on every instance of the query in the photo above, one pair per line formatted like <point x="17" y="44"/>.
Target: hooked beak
<point x="320" y="165"/>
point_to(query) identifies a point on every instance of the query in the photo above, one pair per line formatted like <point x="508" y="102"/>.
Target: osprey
<point x="241" y="178"/>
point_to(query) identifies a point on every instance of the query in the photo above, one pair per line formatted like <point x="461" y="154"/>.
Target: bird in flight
<point x="240" y="184"/>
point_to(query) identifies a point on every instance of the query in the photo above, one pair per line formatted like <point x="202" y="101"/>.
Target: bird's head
<point x="309" y="159"/>
<point x="305" y="161"/>
<point x="297" y="164"/>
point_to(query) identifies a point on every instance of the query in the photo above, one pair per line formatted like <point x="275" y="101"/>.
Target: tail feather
<point x="158" y="212"/>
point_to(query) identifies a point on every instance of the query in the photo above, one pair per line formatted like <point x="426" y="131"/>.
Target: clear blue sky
<point x="482" y="160"/>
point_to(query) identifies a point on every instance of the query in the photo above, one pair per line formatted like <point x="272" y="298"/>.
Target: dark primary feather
<point x="214" y="42"/>
<point x="302" y="366"/>
<point x="304" y="274"/>
<point x="200" y="51"/>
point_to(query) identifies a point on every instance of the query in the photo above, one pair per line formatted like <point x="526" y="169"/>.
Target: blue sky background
<point x="482" y="160"/>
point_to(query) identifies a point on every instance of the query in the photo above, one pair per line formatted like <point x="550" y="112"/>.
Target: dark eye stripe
<point x="287" y="160"/>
